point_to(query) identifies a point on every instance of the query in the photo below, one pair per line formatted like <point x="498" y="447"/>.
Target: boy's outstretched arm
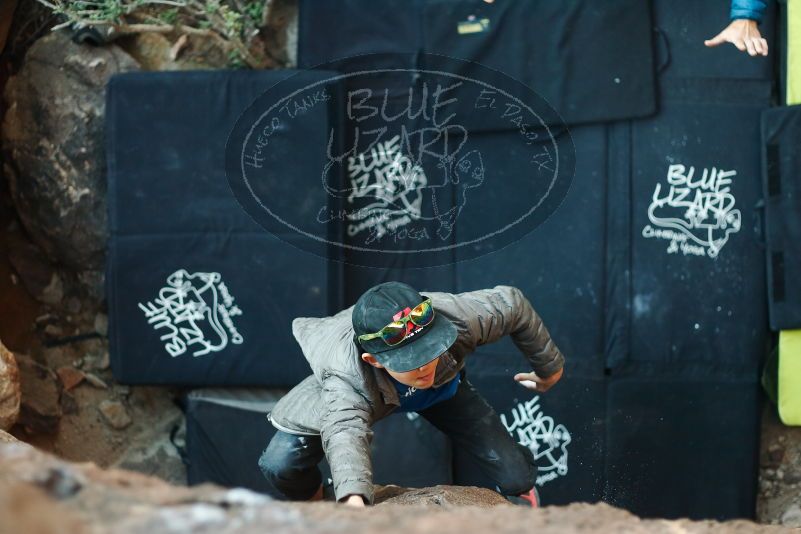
<point x="489" y="314"/>
<point x="743" y="31"/>
<point x="346" y="435"/>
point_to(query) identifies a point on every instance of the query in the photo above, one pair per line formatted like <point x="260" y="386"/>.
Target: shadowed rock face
<point x="52" y="135"/>
<point x="42" y="494"/>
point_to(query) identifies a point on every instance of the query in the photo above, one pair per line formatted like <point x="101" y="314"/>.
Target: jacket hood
<point x="327" y="342"/>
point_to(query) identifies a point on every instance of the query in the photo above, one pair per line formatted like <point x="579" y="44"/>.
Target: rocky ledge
<point x="40" y="493"/>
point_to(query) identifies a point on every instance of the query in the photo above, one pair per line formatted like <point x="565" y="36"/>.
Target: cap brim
<point x="418" y="352"/>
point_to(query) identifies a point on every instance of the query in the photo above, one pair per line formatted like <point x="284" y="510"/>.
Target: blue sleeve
<point x="748" y="9"/>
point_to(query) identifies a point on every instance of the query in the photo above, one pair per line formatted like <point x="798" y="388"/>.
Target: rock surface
<point x="156" y="52"/>
<point x="39" y="493"/>
<point x="40" y="409"/>
<point x="792" y="517"/>
<point x="779" y="498"/>
<point x="115" y="414"/>
<point x="53" y="133"/>
<point x="38" y="275"/>
<point x="70" y="377"/>
<point x="10" y="393"/>
<point x="446" y="496"/>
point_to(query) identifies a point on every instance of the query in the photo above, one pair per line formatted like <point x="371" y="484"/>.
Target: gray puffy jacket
<point x="345" y="396"/>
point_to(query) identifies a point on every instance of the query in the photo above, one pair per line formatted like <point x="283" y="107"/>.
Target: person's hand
<point x="744" y="34"/>
<point x="540" y="385"/>
<point x="354" y="500"/>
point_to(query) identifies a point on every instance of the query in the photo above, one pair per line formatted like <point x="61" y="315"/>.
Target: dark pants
<point x="290" y="462"/>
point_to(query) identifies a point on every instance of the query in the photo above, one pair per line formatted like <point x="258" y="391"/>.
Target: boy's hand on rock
<point x="534" y="382"/>
<point x="354" y="500"/>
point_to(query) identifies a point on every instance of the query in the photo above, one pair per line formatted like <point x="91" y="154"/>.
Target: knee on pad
<point x="520" y="476"/>
<point x="267" y="465"/>
<point x="274" y="459"/>
<point x="285" y="481"/>
<point x="515" y="484"/>
<point x="273" y="463"/>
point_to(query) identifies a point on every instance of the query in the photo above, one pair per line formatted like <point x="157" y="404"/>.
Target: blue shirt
<point x="416" y="400"/>
<point x="747" y="9"/>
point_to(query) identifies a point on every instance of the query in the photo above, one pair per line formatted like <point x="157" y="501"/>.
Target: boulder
<point x="445" y="496"/>
<point x="792" y="516"/>
<point x="53" y="140"/>
<point x="5" y="437"/>
<point x="39" y="276"/>
<point x="70" y="377"/>
<point x="40" y="408"/>
<point x="10" y="392"/>
<point x="115" y="414"/>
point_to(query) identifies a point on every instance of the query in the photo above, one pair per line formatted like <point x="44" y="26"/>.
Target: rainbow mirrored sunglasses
<point x="396" y="331"/>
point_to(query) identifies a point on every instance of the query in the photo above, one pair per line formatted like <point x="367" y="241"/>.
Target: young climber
<point x="399" y="350"/>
